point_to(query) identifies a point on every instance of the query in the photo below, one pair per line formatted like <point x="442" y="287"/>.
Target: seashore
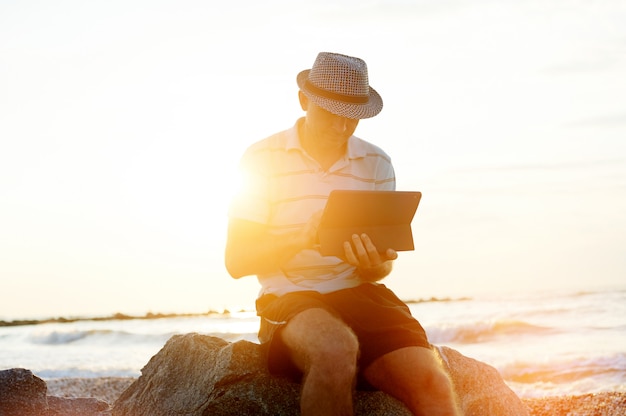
<point x="109" y="389"/>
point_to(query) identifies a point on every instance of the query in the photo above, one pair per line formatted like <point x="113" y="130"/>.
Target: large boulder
<point x="200" y="375"/>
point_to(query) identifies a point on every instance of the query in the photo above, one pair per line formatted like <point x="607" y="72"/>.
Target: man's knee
<point x="437" y="381"/>
<point x="337" y="353"/>
<point x="319" y="339"/>
<point x="335" y="362"/>
<point x="431" y="376"/>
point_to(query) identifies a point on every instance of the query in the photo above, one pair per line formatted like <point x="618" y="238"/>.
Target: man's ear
<point x="304" y="100"/>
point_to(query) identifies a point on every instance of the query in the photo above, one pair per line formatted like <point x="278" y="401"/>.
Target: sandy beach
<point x="108" y="389"/>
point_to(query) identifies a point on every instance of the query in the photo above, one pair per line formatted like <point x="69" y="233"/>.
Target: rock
<point x="480" y="387"/>
<point x="22" y="393"/>
<point x="199" y="375"/>
<point x="202" y="375"/>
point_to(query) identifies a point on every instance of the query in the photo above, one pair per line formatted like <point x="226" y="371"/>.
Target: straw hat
<point x="339" y="84"/>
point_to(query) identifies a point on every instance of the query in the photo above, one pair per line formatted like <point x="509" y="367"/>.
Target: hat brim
<point x="372" y="107"/>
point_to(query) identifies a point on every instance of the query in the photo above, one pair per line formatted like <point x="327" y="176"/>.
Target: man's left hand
<point x="364" y="255"/>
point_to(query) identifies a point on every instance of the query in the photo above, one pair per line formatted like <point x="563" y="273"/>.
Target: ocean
<point x="547" y="344"/>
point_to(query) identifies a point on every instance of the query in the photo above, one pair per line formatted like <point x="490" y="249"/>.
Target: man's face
<point x="328" y="127"/>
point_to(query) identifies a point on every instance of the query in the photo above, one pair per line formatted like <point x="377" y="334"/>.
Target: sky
<point x="122" y="123"/>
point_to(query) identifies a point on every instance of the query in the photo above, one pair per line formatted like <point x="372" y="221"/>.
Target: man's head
<point x="339" y="84"/>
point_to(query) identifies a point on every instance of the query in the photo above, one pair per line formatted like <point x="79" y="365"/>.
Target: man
<point x="325" y="318"/>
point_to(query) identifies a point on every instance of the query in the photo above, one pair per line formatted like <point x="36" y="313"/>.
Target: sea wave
<point x="93" y="336"/>
<point x="483" y="331"/>
<point x="567" y="370"/>
<point x="101" y="337"/>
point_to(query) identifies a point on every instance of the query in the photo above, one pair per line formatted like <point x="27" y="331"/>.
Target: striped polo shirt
<point x="283" y="187"/>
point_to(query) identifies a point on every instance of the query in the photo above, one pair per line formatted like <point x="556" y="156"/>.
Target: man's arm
<point x="251" y="250"/>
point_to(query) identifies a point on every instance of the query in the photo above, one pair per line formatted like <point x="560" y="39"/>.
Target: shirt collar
<point x="356" y="149"/>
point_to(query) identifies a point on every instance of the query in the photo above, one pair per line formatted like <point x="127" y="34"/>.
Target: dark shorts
<point x="379" y="319"/>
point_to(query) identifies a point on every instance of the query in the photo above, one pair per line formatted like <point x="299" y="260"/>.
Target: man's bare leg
<point x="415" y="376"/>
<point x="326" y="351"/>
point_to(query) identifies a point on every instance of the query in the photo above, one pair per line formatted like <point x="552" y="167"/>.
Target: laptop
<point x="383" y="215"/>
